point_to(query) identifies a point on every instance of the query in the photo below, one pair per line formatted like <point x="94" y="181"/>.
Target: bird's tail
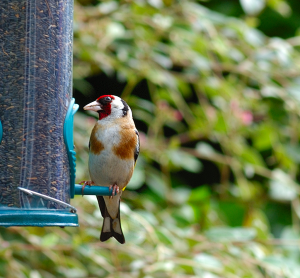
<point x="111" y="227"/>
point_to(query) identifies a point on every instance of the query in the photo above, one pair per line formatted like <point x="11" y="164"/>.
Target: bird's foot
<point x="85" y="183"/>
<point x="115" y="190"/>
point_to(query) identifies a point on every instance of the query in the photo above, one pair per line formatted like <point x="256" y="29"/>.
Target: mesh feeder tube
<point x="35" y="97"/>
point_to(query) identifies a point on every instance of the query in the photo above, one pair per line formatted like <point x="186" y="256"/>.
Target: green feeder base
<point x="39" y="218"/>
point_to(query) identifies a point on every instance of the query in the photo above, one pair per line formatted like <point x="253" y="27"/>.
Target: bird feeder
<point x="37" y="160"/>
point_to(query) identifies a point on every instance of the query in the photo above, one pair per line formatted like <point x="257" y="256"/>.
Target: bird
<point x="114" y="147"/>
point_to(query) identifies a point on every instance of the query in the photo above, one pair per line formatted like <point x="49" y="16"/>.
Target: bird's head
<point x="109" y="106"/>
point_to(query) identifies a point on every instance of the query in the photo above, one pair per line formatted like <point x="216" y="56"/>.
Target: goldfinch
<point x="113" y="150"/>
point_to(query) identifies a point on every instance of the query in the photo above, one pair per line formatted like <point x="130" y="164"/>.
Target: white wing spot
<point x="116" y="226"/>
<point x="106" y="225"/>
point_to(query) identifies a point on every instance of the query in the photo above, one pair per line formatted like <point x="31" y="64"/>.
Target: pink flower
<point x="247" y="117"/>
<point x="178" y="115"/>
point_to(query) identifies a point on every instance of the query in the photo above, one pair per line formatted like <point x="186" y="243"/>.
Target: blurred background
<point x="215" y="91"/>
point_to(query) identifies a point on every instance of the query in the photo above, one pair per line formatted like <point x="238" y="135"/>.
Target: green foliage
<point x="273" y="17"/>
<point x="219" y="93"/>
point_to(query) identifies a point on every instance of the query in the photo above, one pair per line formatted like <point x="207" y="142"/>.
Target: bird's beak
<point x="93" y="106"/>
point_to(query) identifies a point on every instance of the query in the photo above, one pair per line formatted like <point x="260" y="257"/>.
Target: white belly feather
<point x="107" y="168"/>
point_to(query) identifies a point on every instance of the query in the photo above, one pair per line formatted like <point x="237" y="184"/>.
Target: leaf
<point x="142" y="104"/>
<point x="256" y="219"/>
<point x="164" y="266"/>
<point x="185" y="160"/>
<point x="209" y="262"/>
<point x="221" y="125"/>
<point x="137" y="264"/>
<point x="186" y="213"/>
<point x="271" y="91"/>
<point x="200" y="194"/>
<point x="282" y="187"/>
<point x="157" y="184"/>
<point x="290" y="233"/>
<point x="284" y="264"/>
<point x="254" y="37"/>
<point x="252" y="7"/>
<point x="115" y="30"/>
<point x="156" y="3"/>
<point x="293" y="152"/>
<point x="264" y="137"/>
<point x="162" y="60"/>
<point x="205" y="149"/>
<point x="180" y="195"/>
<point x="252" y="156"/>
<point x="137" y="180"/>
<point x="148" y="216"/>
<point x="202" y="63"/>
<point x="230" y="234"/>
<point x="233" y="212"/>
<point x="108" y="7"/>
<point x="294" y="92"/>
<point x="35" y="274"/>
<point x="50" y="240"/>
<point x="74" y="272"/>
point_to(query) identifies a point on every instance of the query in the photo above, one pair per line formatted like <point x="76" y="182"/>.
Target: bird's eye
<point x="104" y="100"/>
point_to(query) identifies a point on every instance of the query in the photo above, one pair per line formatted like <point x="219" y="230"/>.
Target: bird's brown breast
<point x="128" y="141"/>
<point x="96" y="145"/>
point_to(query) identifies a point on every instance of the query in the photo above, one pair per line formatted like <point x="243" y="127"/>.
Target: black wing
<point x="102" y="206"/>
<point x="137" y="148"/>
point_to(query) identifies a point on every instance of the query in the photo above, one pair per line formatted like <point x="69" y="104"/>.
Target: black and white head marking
<point x="125" y="108"/>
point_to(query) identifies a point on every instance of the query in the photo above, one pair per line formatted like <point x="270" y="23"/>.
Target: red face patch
<point x="104" y="96"/>
<point x="105" y="102"/>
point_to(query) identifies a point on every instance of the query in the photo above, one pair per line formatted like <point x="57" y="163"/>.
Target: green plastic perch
<point x="92" y="190"/>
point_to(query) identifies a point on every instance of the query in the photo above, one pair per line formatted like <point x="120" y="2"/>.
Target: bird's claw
<point x="85" y="183"/>
<point x="115" y="190"/>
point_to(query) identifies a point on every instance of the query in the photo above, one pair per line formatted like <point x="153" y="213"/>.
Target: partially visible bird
<point x="113" y="150"/>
